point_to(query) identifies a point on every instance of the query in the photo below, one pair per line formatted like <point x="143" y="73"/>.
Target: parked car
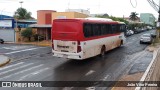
<point x="1" y="41"/>
<point x="153" y="35"/>
<point x="146" y="38"/>
<point x="129" y="32"/>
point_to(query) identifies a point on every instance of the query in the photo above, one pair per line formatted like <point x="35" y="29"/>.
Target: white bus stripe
<point x="1" y="73"/>
<point x="21" y="72"/>
<point x="11" y="66"/>
<point x="23" y="50"/>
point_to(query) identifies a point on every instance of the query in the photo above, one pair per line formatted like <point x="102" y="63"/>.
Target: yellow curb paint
<point x="3" y="64"/>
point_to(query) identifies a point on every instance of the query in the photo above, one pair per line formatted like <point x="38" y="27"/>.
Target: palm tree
<point x="133" y="16"/>
<point x="22" y="13"/>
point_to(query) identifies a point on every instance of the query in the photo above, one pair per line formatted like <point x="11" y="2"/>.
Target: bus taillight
<point x="78" y="47"/>
<point x="52" y="46"/>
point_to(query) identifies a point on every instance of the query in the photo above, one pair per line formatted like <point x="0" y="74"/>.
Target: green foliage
<point x="38" y="37"/>
<point x="27" y="33"/>
<point x="22" y="13"/>
<point x="113" y="18"/>
<point x="133" y="16"/>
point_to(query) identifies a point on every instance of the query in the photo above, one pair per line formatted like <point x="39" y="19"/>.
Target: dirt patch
<point x="151" y="48"/>
<point x="133" y="77"/>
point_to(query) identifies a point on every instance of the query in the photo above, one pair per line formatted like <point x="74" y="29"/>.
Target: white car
<point x="129" y="32"/>
<point x="146" y="38"/>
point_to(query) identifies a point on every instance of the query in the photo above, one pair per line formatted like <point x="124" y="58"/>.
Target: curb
<point x="149" y="67"/>
<point x="5" y="62"/>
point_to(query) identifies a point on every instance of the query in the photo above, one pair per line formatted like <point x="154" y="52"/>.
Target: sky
<point x="117" y="8"/>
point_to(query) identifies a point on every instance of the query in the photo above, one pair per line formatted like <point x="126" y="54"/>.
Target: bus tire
<point x="103" y="50"/>
<point x="121" y="43"/>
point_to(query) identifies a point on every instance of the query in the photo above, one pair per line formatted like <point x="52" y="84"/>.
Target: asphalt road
<point x="32" y="63"/>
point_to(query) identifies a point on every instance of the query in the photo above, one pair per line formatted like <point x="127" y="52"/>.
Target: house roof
<point x="40" y="26"/>
<point x="29" y="21"/>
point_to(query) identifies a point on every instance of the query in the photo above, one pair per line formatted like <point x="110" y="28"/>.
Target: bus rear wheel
<point x="103" y="49"/>
<point x="121" y="44"/>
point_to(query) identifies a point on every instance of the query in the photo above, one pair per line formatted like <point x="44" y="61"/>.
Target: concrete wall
<point x="68" y="15"/>
<point x="152" y="73"/>
<point x="44" y="16"/>
<point x="19" y="38"/>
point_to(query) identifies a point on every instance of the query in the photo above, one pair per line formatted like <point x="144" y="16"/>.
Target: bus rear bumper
<point x="77" y="56"/>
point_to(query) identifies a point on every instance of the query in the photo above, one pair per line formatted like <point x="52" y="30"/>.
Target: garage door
<point x="7" y="35"/>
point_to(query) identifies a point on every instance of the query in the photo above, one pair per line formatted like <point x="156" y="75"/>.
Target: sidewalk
<point x="4" y="60"/>
<point x="41" y="43"/>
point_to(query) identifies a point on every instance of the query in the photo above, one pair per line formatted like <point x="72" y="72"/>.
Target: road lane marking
<point x="17" y="47"/>
<point x="90" y="88"/>
<point x="21" y="72"/>
<point x="105" y="78"/>
<point x="34" y="73"/>
<point x="89" y="73"/>
<point x="1" y="73"/>
<point x="67" y="88"/>
<point x="11" y="65"/>
<point x="22" y="50"/>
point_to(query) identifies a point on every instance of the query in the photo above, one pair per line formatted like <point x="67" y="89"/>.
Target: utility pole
<point x="19" y="28"/>
<point x="158" y="22"/>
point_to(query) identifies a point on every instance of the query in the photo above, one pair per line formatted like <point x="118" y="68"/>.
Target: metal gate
<point x="8" y="35"/>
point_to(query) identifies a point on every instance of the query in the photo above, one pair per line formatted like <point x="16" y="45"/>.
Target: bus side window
<point x="118" y="28"/>
<point x="109" y="29"/>
<point x="99" y="29"/>
<point x="114" y="29"/>
<point x="87" y="30"/>
<point x="94" y="26"/>
<point x="103" y="29"/>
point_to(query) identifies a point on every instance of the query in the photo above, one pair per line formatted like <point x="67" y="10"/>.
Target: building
<point x="5" y="17"/>
<point x="8" y="27"/>
<point x="131" y="21"/>
<point x="7" y="32"/>
<point x="68" y="15"/>
<point x="147" y="18"/>
<point x="43" y="26"/>
<point x="87" y="12"/>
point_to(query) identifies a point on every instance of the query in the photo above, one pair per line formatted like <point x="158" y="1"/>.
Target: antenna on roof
<point x="68" y="4"/>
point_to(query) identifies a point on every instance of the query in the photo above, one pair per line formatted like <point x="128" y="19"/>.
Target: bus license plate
<point x="65" y="56"/>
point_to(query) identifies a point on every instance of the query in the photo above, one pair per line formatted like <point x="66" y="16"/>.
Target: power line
<point x="154" y="5"/>
<point x="132" y="4"/>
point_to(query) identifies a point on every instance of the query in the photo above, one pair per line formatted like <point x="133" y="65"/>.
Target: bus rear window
<point x="63" y="26"/>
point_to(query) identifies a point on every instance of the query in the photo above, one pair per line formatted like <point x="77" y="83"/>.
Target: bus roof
<point x="85" y="20"/>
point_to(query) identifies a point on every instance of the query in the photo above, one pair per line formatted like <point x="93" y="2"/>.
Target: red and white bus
<point x="84" y="38"/>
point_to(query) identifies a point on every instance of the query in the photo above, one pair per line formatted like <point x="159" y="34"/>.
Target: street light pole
<point x="21" y="3"/>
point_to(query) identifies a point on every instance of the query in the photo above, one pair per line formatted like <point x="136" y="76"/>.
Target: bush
<point x="27" y="33"/>
<point x="37" y="36"/>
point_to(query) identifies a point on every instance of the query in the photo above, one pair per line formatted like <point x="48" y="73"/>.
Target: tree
<point x="22" y="13"/>
<point x="27" y="33"/>
<point x="133" y="16"/>
<point x="114" y="18"/>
